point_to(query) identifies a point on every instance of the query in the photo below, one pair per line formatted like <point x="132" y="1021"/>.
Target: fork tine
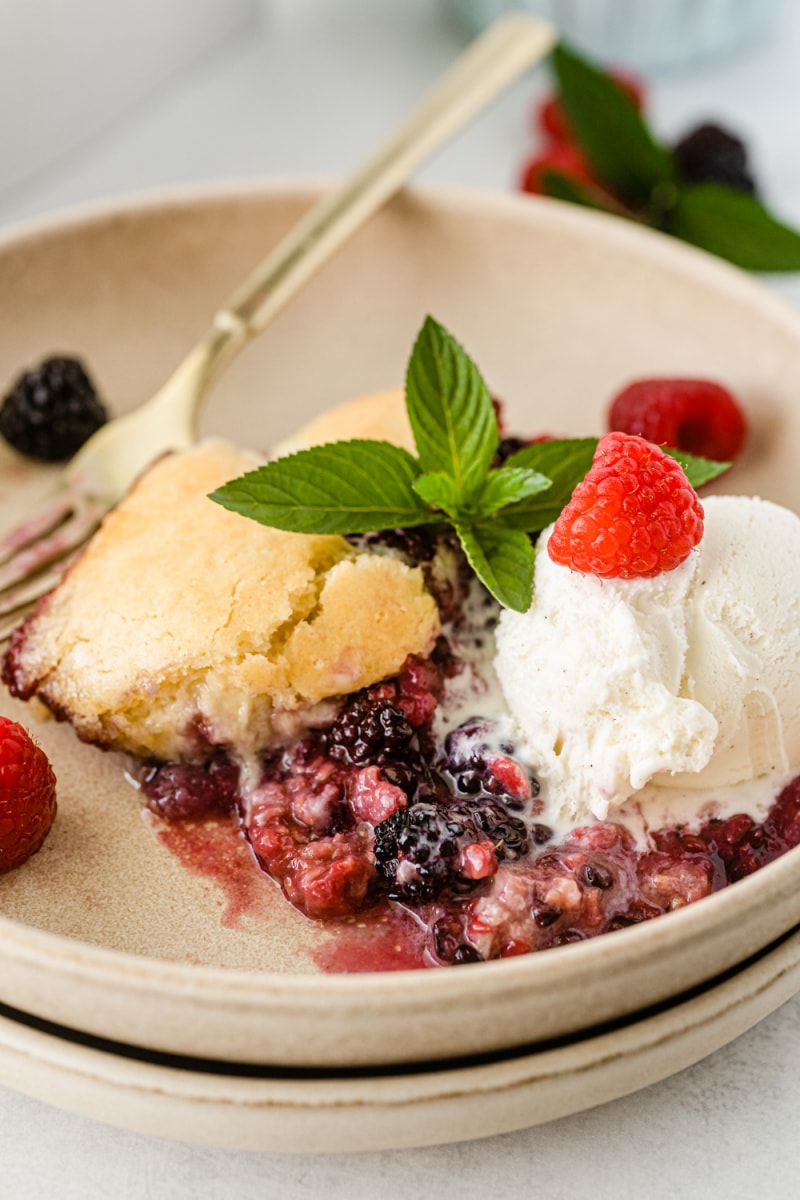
<point x="27" y="593"/>
<point x="42" y="523"/>
<point x="30" y="559"/>
<point x="10" y="623"/>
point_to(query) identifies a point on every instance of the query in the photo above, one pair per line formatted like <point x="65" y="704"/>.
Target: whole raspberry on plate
<point x="695" y="415"/>
<point x="27" y="795"/>
<point x="633" y="516"/>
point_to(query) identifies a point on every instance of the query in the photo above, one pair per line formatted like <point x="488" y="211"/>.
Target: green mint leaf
<point x="451" y="412"/>
<point x="500" y="488"/>
<point x="341" y="487"/>
<point x="441" y="490"/>
<point x="735" y="226"/>
<point x="610" y="130"/>
<point x="565" y="462"/>
<point x="503" y="561"/>
<point x="561" y="187"/>
<point x="697" y="470"/>
<point x="507" y="485"/>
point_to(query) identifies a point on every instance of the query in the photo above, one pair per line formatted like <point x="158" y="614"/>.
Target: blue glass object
<point x="643" y="34"/>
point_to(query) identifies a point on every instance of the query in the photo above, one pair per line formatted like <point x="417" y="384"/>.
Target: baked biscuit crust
<point x="184" y="626"/>
<point x="380" y="416"/>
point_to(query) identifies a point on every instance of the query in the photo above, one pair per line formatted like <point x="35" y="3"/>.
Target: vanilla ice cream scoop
<point x="690" y="679"/>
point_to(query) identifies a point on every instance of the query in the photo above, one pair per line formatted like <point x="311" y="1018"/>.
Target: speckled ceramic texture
<point x="104" y="930"/>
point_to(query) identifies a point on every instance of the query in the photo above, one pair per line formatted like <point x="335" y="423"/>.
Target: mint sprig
<point x="697" y="470"/>
<point x="610" y="130"/>
<point x="340" y="487"/>
<point x="360" y="486"/>
<point x="564" y="462"/>
<point x="639" y="177"/>
<point x="450" y="410"/>
<point x="735" y="226"/>
<point x="502" y="559"/>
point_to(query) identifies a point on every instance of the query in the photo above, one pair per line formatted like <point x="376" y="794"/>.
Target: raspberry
<point x="373" y="798"/>
<point x="565" y="159"/>
<point x="710" y="154"/>
<point x="51" y="410"/>
<point x="551" y="119"/>
<point x="27" y="796"/>
<point x="182" y="792"/>
<point x="420" y="685"/>
<point x="633" y="516"/>
<point x="695" y="415"/>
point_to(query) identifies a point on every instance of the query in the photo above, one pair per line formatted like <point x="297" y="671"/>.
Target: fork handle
<point x="490" y="63"/>
<point x="118" y="453"/>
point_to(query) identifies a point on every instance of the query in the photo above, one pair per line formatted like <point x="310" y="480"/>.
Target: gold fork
<point x="34" y="555"/>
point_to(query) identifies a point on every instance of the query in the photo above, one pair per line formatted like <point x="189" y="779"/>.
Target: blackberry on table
<point x="710" y="154"/>
<point x="369" y="731"/>
<point x="51" y="410"/>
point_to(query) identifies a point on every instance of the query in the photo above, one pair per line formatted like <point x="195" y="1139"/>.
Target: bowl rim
<point x="211" y="985"/>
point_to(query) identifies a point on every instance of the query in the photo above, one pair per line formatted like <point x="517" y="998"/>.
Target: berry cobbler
<point x="389" y="736"/>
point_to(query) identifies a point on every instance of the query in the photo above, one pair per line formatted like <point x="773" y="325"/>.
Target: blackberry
<point x="710" y="154"/>
<point x="418" y="780"/>
<point x="51" y="410"/>
<point x="416" y="851"/>
<point x="369" y="731"/>
<point x="507" y="447"/>
<point x="595" y="875"/>
<point x="508" y="834"/>
<point x="449" y="943"/>
<point x="475" y="767"/>
<point x="567" y="937"/>
<point x="463" y="755"/>
<point x="637" y="912"/>
<point x="543" y="915"/>
<point x="417" y="544"/>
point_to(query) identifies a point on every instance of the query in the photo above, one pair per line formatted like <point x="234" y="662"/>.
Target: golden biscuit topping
<point x="182" y="624"/>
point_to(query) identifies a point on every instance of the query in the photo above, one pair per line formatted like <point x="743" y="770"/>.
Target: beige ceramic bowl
<point x="104" y="930"/>
<point x="385" y="1108"/>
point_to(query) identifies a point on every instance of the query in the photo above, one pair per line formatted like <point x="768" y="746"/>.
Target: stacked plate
<point x="166" y="986"/>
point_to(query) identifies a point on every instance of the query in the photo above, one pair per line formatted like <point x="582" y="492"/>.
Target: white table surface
<point x="309" y="95"/>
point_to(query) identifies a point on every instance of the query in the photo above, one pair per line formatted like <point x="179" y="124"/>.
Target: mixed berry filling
<point x="397" y="804"/>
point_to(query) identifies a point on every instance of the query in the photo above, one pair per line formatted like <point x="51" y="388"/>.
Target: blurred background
<point x="100" y="97"/>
